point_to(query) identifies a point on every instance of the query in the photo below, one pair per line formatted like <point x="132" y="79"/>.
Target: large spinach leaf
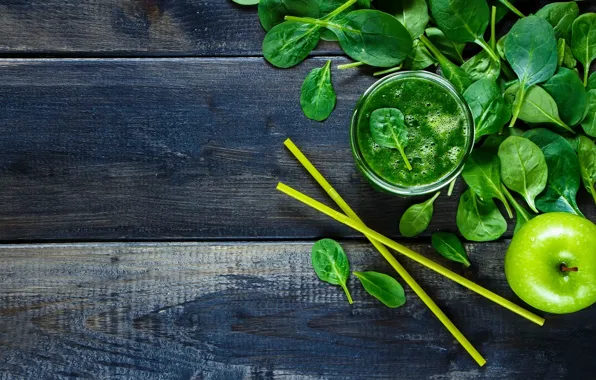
<point x="272" y="12"/>
<point x="289" y="43"/>
<point x="563" y="172"/>
<point x="586" y="152"/>
<point x="317" y="97"/>
<point x="488" y="107"/>
<point x="482" y="173"/>
<point x="583" y="41"/>
<point x="534" y="60"/>
<point x="561" y="17"/>
<point x="568" y="92"/>
<point x="368" y="36"/>
<point x="523" y="168"/>
<point x="537" y="106"/>
<point x="589" y="122"/>
<point x="479" y="220"/>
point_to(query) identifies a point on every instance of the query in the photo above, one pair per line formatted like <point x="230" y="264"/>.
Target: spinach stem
<point x="388" y="71"/>
<point x="586" y="75"/>
<point x="519" y="98"/>
<point x="345" y="288"/>
<point x="432" y="200"/>
<point x="433" y="49"/>
<point x="512" y="8"/>
<point x="451" y="187"/>
<point x="493" y="28"/>
<point x="487" y="48"/>
<point x="507" y="207"/>
<point x="340" y="9"/>
<point x="403" y="155"/>
<point x="350" y="65"/>
<point x="518" y="208"/>
<point x="308" y="20"/>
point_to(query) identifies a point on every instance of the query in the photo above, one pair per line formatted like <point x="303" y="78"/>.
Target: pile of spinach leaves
<point x="530" y="91"/>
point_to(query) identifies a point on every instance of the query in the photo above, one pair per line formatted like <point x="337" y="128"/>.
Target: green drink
<point x="440" y="132"/>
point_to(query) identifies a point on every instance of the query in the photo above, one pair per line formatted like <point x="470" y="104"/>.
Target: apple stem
<point x="565" y="268"/>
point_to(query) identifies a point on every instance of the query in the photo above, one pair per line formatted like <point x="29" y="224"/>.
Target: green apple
<point x="551" y="263"/>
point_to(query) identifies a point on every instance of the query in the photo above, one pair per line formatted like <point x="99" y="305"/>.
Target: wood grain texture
<point x="145" y="27"/>
<point x="100" y="149"/>
<point x="257" y="311"/>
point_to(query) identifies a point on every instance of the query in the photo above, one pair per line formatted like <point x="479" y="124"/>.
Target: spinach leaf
<point x="589" y="122"/>
<point x="388" y="129"/>
<point x="561" y="17"/>
<point x="417" y="218"/>
<point x="523" y="168"/>
<point x="453" y="73"/>
<point x="272" y="12"/>
<point x="451" y="49"/>
<point x="328" y="6"/>
<point x="331" y="264"/>
<point x="488" y="107"/>
<point x="565" y="55"/>
<point x="289" y="43"/>
<point x="419" y="58"/>
<point x="383" y="287"/>
<point x="479" y="220"/>
<point x="317" y="97"/>
<point x="563" y="172"/>
<point x="537" y="107"/>
<point x="522" y="216"/>
<point x="534" y="60"/>
<point x="591" y="82"/>
<point x="569" y="94"/>
<point x="583" y="41"/>
<point x="413" y="14"/>
<point x="482" y="66"/>
<point x="450" y="247"/>
<point x="463" y="21"/>
<point x="587" y="163"/>
<point x="246" y="2"/>
<point x="483" y="174"/>
<point x="369" y="36"/>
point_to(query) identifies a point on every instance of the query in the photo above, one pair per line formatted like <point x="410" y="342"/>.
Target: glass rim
<point x="372" y="176"/>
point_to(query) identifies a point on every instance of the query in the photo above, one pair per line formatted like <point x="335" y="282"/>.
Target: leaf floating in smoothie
<point x="450" y="247"/>
<point x="331" y="264"/>
<point x="383" y="287"/>
<point x="388" y="129"/>
<point x="417" y="218"/>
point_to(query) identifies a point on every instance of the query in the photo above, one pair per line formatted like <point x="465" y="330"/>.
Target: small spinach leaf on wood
<point x="583" y="41"/>
<point x="483" y="174"/>
<point x="388" y="129"/>
<point x="534" y="60"/>
<point x="417" y="218"/>
<point x="289" y="43"/>
<point x="561" y="17"/>
<point x="331" y="264"/>
<point x="488" y="107"/>
<point x="589" y="121"/>
<point x="317" y="97"/>
<point x="450" y="247"/>
<point x="587" y="163"/>
<point x="453" y="50"/>
<point x="383" y="287"/>
<point x="523" y="168"/>
<point x="537" y="106"/>
<point x="563" y="172"/>
<point x="479" y="220"/>
<point x="272" y="12"/>
<point x="568" y="92"/>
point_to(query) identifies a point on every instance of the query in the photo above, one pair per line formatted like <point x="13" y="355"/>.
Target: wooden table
<point x="142" y="235"/>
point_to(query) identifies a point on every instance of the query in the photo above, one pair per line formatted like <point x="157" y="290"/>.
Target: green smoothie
<point x="438" y="125"/>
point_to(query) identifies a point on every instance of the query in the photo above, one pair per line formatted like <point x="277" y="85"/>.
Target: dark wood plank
<point x="177" y="149"/>
<point x="257" y="311"/>
<point x="144" y="27"/>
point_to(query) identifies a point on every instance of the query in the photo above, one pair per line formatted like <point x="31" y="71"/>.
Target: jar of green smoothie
<point x="439" y="127"/>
